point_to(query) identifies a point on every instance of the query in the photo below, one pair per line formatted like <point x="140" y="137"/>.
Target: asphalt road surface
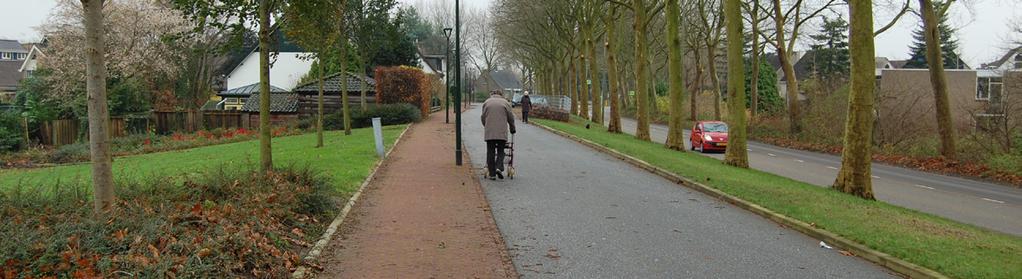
<point x="983" y="204"/>
<point x="573" y="212"/>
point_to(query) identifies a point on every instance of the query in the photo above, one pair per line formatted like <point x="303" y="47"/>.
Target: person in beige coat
<point x="497" y="121"/>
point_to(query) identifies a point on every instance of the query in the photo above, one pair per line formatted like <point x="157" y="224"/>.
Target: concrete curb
<point x="880" y="258"/>
<point x="303" y="271"/>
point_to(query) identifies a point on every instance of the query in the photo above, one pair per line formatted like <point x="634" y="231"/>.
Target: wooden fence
<point x="67" y="131"/>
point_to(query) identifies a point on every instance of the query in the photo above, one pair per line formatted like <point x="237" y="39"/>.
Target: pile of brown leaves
<point x="939" y="165"/>
<point x="248" y="226"/>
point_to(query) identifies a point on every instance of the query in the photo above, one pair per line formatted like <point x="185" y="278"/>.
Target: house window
<point x="987" y="86"/>
<point x="1018" y="61"/>
<point x="232" y="100"/>
<point x="5" y="55"/>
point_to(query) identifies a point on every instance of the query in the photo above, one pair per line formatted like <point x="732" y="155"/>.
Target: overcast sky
<point x="983" y="31"/>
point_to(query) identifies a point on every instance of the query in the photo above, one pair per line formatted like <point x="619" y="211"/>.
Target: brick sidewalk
<point x="421" y="217"/>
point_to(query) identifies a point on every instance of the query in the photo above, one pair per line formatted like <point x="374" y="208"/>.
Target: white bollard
<point x="378" y="134"/>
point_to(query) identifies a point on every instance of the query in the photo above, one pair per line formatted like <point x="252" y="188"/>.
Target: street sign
<point x="631" y="93"/>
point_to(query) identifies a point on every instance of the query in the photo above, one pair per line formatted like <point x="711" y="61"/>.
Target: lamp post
<point x="447" y="75"/>
<point x="457" y="81"/>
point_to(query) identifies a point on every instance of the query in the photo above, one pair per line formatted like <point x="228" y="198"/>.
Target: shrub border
<point x="303" y="270"/>
<point x="880" y="258"/>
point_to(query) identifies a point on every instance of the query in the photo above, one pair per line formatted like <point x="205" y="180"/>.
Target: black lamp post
<point x="457" y="82"/>
<point x="447" y="75"/>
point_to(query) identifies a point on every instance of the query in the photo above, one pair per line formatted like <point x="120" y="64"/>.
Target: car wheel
<point x="701" y="148"/>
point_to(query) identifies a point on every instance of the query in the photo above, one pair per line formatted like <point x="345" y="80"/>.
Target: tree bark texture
<point x="265" y="135"/>
<point x="594" y="74"/>
<point x="736" y="154"/>
<point x="641" y="70"/>
<point x="614" y="123"/>
<point x="754" y="80"/>
<point x="676" y="78"/>
<point x="854" y="177"/>
<point x="99" y="116"/>
<point x="784" y="54"/>
<point x="319" y="108"/>
<point x="938" y="80"/>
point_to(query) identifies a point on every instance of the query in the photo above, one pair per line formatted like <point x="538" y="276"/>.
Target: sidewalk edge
<point x="880" y="258"/>
<point x="317" y="249"/>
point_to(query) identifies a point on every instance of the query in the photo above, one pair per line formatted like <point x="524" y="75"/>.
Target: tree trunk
<point x="711" y="65"/>
<point x="265" y="151"/>
<point x="99" y="117"/>
<point x="362" y="84"/>
<point x="641" y="70"/>
<point x="754" y="80"/>
<point x="594" y="76"/>
<point x="319" y="108"/>
<point x="573" y="85"/>
<point x="697" y="87"/>
<point x="854" y="177"/>
<point x="583" y="95"/>
<point x="784" y="54"/>
<point x="676" y="75"/>
<point x="345" y="107"/>
<point x="938" y="80"/>
<point x="736" y="154"/>
<point x="614" y="124"/>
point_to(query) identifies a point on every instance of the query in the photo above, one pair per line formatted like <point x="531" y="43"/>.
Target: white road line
<point x="924" y="187"/>
<point x="771" y="155"/>
<point x="994" y="201"/>
<point x="874" y="176"/>
<point x="833" y="168"/>
<point x="800" y="161"/>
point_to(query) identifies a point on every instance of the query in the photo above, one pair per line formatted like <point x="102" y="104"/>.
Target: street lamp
<point x="447" y="75"/>
<point x="457" y="81"/>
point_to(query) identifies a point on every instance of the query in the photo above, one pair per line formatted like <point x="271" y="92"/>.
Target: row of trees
<point x="139" y="38"/>
<point x="557" y="40"/>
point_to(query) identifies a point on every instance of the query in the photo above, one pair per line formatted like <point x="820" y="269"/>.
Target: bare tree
<point x="99" y="140"/>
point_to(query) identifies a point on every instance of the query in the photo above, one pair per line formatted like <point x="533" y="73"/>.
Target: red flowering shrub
<point x="403" y="85"/>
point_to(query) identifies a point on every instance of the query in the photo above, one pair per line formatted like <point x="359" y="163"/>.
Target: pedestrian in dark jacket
<point x="497" y="120"/>
<point x="526" y="103"/>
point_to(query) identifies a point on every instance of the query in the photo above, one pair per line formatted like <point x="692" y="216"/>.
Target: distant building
<point x="31" y="62"/>
<point x="11" y="50"/>
<point x="288" y="68"/>
<point x="12" y="55"/>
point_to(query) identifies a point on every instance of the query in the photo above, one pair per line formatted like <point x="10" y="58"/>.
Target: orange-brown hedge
<point x="403" y="85"/>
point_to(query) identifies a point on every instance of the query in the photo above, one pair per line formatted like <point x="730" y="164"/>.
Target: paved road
<point x="988" y="205"/>
<point x="576" y="213"/>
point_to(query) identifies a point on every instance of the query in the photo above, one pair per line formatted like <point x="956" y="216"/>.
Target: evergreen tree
<point x="830" y="57"/>
<point x="948" y="46"/>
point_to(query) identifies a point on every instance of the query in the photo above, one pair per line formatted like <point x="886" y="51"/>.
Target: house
<point x="31" y="62"/>
<point x="288" y="66"/>
<point x="308" y="93"/>
<point x="12" y="55"/>
<point x="234" y="99"/>
<point x="11" y="50"/>
<point x="1011" y="60"/>
<point x="503" y="80"/>
<point x="435" y="64"/>
<point x="283" y="109"/>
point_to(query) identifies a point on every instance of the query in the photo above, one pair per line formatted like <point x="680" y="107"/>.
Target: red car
<point x="709" y="136"/>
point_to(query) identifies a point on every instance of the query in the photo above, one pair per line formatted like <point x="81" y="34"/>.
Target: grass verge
<point x="954" y="249"/>
<point x="345" y="159"/>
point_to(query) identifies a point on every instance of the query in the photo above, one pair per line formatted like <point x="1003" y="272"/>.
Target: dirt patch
<point x="421" y="217"/>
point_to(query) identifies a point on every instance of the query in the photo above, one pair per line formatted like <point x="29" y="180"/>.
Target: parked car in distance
<point x="709" y="136"/>
<point x="516" y="99"/>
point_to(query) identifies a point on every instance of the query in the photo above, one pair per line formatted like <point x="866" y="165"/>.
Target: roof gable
<point x="279" y="103"/>
<point x="1004" y="58"/>
<point x="332" y="83"/>
<point x="248" y="90"/>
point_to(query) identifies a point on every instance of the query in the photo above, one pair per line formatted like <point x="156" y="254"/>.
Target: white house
<point x="286" y="70"/>
<point x="32" y="60"/>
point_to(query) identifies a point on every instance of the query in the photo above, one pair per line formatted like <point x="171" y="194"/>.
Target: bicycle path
<point x="575" y="213"/>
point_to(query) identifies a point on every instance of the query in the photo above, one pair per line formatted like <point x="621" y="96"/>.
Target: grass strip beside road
<point x="345" y="159"/>
<point x="951" y="248"/>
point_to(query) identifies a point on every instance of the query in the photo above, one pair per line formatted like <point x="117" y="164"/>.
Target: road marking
<point x="833" y="168"/>
<point x="748" y="149"/>
<point x="800" y="161"/>
<point x="994" y="201"/>
<point x="771" y="155"/>
<point x="874" y="176"/>
<point x="924" y="187"/>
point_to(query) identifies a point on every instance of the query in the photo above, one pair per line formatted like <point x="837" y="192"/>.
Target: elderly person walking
<point x="526" y="103"/>
<point x="497" y="120"/>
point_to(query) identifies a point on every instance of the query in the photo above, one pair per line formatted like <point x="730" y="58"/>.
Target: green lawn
<point x="346" y="159"/>
<point x="954" y="249"/>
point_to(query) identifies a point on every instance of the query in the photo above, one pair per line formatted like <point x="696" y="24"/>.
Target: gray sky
<point x="983" y="32"/>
